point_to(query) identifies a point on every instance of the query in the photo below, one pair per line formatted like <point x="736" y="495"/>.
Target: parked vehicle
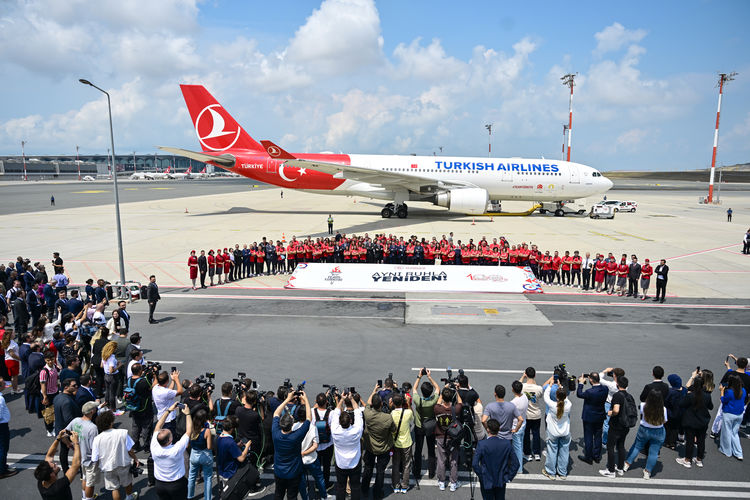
<point x="603" y="211"/>
<point x="564" y="207"/>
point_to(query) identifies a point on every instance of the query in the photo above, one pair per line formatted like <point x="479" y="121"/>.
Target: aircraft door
<point x="270" y="166"/>
<point x="507" y="174"/>
<point x="575" y="176"/>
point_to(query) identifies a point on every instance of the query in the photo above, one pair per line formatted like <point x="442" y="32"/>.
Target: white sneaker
<point x="453" y="486"/>
<point x="619" y="472"/>
<point x="625" y="468"/>
<point x="441" y="485"/>
<point x="537" y="458"/>
<point x="698" y="463"/>
<point x="50" y="434"/>
<point x="528" y="458"/>
<point x="646" y="474"/>
<point x="607" y="473"/>
<point x="683" y="462"/>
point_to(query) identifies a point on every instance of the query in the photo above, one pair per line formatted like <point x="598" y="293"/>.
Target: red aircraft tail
<point x="276" y="152"/>
<point x="215" y="127"/>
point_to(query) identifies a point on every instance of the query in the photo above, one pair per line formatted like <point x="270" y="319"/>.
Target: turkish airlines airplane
<point x="463" y="185"/>
<point x="182" y="175"/>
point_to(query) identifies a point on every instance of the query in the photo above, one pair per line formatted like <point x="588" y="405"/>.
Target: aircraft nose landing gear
<point x="401" y="211"/>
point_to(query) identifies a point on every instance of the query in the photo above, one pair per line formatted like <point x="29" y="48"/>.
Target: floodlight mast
<point x="489" y="129"/>
<point x="569" y="81"/>
<point x="723" y="78"/>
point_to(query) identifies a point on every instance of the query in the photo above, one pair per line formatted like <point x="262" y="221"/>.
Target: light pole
<point x="23" y="158"/>
<point x="565" y="132"/>
<point x="133" y="161"/>
<point x="489" y="129"/>
<point x="109" y="165"/>
<point x="723" y="78"/>
<point x="569" y="81"/>
<point x="78" y="162"/>
<point x="117" y="194"/>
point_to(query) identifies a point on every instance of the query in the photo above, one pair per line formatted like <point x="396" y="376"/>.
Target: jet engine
<point x="472" y="201"/>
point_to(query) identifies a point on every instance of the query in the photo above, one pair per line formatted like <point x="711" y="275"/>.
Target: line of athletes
<point x="235" y="263"/>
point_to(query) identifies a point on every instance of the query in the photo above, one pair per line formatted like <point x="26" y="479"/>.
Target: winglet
<point x="276" y="152"/>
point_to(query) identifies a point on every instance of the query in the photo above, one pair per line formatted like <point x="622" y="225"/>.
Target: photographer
<point x="593" y="416"/>
<point x="169" y="457"/>
<point x="378" y="441"/>
<point x="402" y="453"/>
<point x="288" y="447"/>
<point x="50" y="485"/>
<point x="164" y="394"/>
<point x="447" y="409"/>
<point x="199" y="398"/>
<point x="346" y="432"/>
<point x="234" y="481"/>
<point x="611" y="386"/>
<point x="111" y="448"/>
<point x="224" y="406"/>
<point x="424" y="422"/>
<point x="322" y="418"/>
<point x="250" y="424"/>
<point x="137" y="399"/>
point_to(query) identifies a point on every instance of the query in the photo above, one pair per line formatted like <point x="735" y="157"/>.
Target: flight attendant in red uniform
<point x="622" y="277"/>
<point x="219" y="265"/>
<point x="193" y="266"/>
<point x="611" y="275"/>
<point x="227" y="265"/>
<point x="601" y="270"/>
<point x="646" y="272"/>
<point x="211" y="266"/>
<point x="556" y="263"/>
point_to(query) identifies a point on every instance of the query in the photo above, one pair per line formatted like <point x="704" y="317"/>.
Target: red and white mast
<point x="569" y="80"/>
<point x="723" y="77"/>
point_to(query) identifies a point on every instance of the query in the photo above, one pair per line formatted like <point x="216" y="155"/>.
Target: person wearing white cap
<point x="87" y="431"/>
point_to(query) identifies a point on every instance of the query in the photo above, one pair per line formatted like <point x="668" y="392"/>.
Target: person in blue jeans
<point x="310" y="460"/>
<point x="201" y="457"/>
<point x="522" y="403"/>
<point x="733" y="398"/>
<point x="651" y="432"/>
<point x="558" y="432"/>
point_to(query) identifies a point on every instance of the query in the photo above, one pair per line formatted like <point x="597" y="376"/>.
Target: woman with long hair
<point x="98" y="341"/>
<point x="201" y="457"/>
<point x="733" y="397"/>
<point x="113" y="325"/>
<point x="558" y="432"/>
<point x="651" y="432"/>
<point x="111" y="368"/>
<point x="695" y="419"/>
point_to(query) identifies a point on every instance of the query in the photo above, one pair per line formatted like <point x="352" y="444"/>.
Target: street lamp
<point x="489" y="129"/>
<point x="23" y="157"/>
<point x="117" y="194"/>
<point x="78" y="162"/>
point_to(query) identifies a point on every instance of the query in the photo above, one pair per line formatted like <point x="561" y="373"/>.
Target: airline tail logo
<point x="273" y="151"/>
<point x="210" y="128"/>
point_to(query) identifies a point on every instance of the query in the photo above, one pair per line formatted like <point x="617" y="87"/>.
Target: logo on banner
<point x="487" y="277"/>
<point x="334" y="276"/>
<point x="409" y="276"/>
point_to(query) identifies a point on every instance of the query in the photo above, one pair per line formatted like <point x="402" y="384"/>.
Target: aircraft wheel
<point x="581" y="212"/>
<point x="401" y="212"/>
<point x="559" y="213"/>
<point x="386" y="213"/>
<point x="542" y="211"/>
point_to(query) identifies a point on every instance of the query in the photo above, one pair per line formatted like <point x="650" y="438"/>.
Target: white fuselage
<point x="504" y="178"/>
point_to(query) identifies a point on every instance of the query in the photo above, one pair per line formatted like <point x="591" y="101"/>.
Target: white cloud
<point x="631" y="138"/>
<point x="616" y="36"/>
<point x="427" y="63"/>
<point x="338" y="37"/>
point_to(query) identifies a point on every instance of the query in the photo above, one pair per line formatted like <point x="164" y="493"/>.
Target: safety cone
<point x="492" y="219"/>
<point x="283" y="238"/>
<point x="472" y="222"/>
<point x="186" y="211"/>
<point x="355" y="200"/>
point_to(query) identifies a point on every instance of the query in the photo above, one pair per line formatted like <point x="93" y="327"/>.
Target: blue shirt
<point x="287" y="450"/>
<point x="4" y="411"/>
<point x="227" y="452"/>
<point x="732" y="405"/>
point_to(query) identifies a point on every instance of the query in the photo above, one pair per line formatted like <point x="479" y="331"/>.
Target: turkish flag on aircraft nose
<point x="413" y="165"/>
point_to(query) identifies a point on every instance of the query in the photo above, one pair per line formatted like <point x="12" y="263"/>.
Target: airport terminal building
<point x="44" y="167"/>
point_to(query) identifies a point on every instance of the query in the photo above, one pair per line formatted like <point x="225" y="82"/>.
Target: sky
<point x="385" y="77"/>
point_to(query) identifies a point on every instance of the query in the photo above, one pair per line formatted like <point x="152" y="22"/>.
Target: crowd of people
<point x="88" y="374"/>
<point x="601" y="273"/>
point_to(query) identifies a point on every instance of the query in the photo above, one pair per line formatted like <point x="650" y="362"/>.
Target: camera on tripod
<point x="206" y="382"/>
<point x="450" y="380"/>
<point x="563" y="378"/>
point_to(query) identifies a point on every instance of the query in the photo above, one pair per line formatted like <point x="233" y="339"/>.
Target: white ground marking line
<point x="166" y="362"/>
<point x="648" y="323"/>
<point x="480" y="370"/>
<point x="261" y="315"/>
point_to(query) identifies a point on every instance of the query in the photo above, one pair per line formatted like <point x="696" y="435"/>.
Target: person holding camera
<point x="113" y="449"/>
<point x="164" y="393"/>
<point x="287" y="444"/>
<point x="201" y="456"/>
<point x="695" y="419"/>
<point x="424" y="422"/>
<point x="378" y="441"/>
<point x="402" y="452"/>
<point x="86" y="430"/>
<point x="250" y="424"/>
<point x="322" y="417"/>
<point x="234" y="479"/>
<point x="346" y="432"/>
<point x="447" y="411"/>
<point x="612" y="389"/>
<point x="558" y="431"/>
<point x="618" y="415"/>
<point x="49" y="484"/>
<point x="137" y="398"/>
<point x="593" y="416"/>
<point x="225" y="405"/>
<point x="169" y="457"/>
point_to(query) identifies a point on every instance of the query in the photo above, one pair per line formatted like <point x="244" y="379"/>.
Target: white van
<point x="566" y="207"/>
<point x="600" y="211"/>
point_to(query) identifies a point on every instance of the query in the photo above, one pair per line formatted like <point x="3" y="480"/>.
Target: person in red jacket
<point x="646" y="272"/>
<point x="622" y="277"/>
<point x="567" y="263"/>
<point x="576" y="270"/>
<point x="211" y="266"/>
<point x="260" y="256"/>
<point x="193" y="267"/>
<point x="611" y="274"/>
<point x="219" y="265"/>
<point x="556" y="264"/>
<point x="504" y="256"/>
<point x="600" y="270"/>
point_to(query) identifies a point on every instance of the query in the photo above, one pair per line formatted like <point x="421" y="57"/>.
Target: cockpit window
<point x="596" y="174"/>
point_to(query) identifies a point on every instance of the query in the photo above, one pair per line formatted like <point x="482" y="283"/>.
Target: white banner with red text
<point x="405" y="278"/>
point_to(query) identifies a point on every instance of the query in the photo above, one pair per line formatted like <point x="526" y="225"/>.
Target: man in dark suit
<point x="495" y="463"/>
<point x="124" y="315"/>
<point x="85" y="391"/>
<point x="203" y="267"/>
<point x="634" y="273"/>
<point x="662" y="275"/>
<point x="153" y="297"/>
<point x="20" y="312"/>
<point x="593" y="417"/>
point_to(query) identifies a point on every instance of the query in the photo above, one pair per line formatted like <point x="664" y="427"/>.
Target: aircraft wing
<point x="223" y="160"/>
<point x="416" y="183"/>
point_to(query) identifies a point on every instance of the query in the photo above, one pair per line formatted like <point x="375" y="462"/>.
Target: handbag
<point x="48" y="414"/>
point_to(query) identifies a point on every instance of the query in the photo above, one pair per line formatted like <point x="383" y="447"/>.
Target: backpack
<point x="324" y="430"/>
<point x="452" y="428"/>
<point x="131" y="398"/>
<point x="33" y="384"/>
<point x="629" y="412"/>
<point x="221" y="415"/>
<point x="428" y="423"/>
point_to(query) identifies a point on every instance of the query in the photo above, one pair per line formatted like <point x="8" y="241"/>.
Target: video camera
<point x="563" y="378"/>
<point x="153" y="367"/>
<point x="331" y="392"/>
<point x="206" y="382"/>
<point x="451" y="380"/>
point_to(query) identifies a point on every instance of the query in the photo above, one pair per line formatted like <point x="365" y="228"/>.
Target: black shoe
<point x="584" y="459"/>
<point x="153" y="321"/>
<point x="656" y="299"/>
<point x="661" y="301"/>
<point x="597" y="460"/>
<point x="9" y="472"/>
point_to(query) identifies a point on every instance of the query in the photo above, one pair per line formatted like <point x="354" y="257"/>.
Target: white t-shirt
<point x="169" y="462"/>
<point x="522" y="403"/>
<point x="321" y="416"/>
<point x="310" y="438"/>
<point x="12" y="348"/>
<point x="163" y="399"/>
<point x="110" y="364"/>
<point x="533" y="393"/>
<point x="130" y="366"/>
<point x="110" y="449"/>
<point x="646" y="424"/>
<point x="611" y="386"/>
<point x="346" y="441"/>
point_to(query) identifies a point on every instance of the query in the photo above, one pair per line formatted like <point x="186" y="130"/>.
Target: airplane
<point x="460" y="184"/>
<point x="88" y="178"/>
<point x="158" y="175"/>
<point x="183" y="175"/>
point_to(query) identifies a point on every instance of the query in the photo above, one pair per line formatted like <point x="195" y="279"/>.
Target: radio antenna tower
<point x="723" y="78"/>
<point x="569" y="80"/>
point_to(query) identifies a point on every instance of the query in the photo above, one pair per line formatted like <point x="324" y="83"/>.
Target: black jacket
<point x="696" y="419"/>
<point x="202" y="264"/>
<point x="634" y="271"/>
<point x="662" y="387"/>
<point x="153" y="292"/>
<point x="662" y="271"/>
<point x="20" y="311"/>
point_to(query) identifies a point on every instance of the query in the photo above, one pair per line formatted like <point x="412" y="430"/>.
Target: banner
<point x="404" y="278"/>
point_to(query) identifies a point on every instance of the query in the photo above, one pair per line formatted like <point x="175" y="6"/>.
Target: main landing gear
<point x="401" y="211"/>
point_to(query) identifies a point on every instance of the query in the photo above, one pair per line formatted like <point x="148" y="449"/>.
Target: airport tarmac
<point x="352" y="339"/>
